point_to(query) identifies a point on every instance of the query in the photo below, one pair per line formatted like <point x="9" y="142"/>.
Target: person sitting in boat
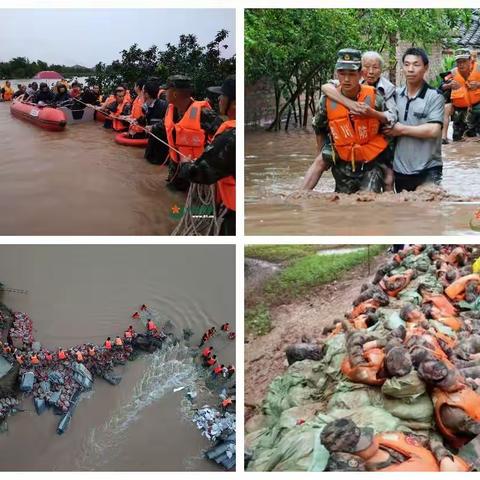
<point x="32" y="90"/>
<point x="62" y="96"/>
<point x="21" y="90"/>
<point x="75" y="91"/>
<point x="7" y="92"/>
<point x="119" y="108"/>
<point x="90" y="96"/>
<point x="44" y="95"/>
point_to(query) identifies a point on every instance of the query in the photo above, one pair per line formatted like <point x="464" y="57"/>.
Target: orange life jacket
<point x="467" y="400"/>
<point x="464" y="97"/>
<point x="360" y="323"/>
<point x="79" y="357"/>
<point x="452" y="322"/>
<point x="206" y="352"/>
<point x="226" y="185"/>
<point x="356" y="139"/>
<point x="227" y="402"/>
<point x="118" y="342"/>
<point x="7" y="349"/>
<point x="108" y="344"/>
<point x="364" y="307"/>
<point x="137" y="112"/>
<point x="436" y="348"/>
<point x="452" y="259"/>
<point x="119" y="125"/>
<point x="34" y="360"/>
<point x="441" y="302"/>
<point x="366" y="373"/>
<point x="61" y="355"/>
<point x="211" y="361"/>
<point x="48" y="357"/>
<point x="151" y="326"/>
<point x="8" y="94"/>
<point x="456" y="291"/>
<point x="407" y="275"/>
<point x="189" y="138"/>
<point x="418" y="458"/>
<point x="218" y="370"/>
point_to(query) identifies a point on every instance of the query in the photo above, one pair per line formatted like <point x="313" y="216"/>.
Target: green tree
<point x="296" y="48"/>
<point x="204" y="64"/>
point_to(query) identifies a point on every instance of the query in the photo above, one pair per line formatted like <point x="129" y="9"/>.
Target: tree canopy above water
<point x="204" y="64"/>
<point x="22" y="67"/>
<point x="296" y="48"/>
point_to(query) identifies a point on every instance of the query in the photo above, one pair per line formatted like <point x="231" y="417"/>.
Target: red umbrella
<point x="48" y="75"/>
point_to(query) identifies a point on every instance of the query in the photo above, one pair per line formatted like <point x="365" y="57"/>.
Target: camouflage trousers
<point x="466" y="122"/>
<point x="364" y="177"/>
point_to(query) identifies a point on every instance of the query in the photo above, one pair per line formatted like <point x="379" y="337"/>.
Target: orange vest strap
<point x="356" y="139"/>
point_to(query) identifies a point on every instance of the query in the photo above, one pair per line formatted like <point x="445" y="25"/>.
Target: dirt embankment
<point x="265" y="356"/>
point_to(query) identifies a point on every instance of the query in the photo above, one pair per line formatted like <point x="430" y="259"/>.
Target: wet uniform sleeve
<point x="320" y="122"/>
<point x="216" y="162"/>
<point x="436" y="109"/>
<point x="210" y="121"/>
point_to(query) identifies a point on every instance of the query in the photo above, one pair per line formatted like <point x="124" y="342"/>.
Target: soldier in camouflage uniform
<point x="351" y="174"/>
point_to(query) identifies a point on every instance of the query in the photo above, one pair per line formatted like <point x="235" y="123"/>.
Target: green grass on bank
<point x="303" y="274"/>
<point x="258" y="320"/>
<point x="279" y="253"/>
<point x="284" y="253"/>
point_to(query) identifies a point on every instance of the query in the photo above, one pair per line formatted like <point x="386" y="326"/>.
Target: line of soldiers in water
<point x="377" y="137"/>
<point x="209" y="360"/>
<point x="79" y="353"/>
<point x="194" y="141"/>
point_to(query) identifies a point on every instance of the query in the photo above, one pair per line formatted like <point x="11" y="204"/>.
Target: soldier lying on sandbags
<point x="385" y="452"/>
<point x="457" y="405"/>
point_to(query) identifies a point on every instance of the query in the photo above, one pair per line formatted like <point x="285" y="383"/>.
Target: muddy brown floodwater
<point x="84" y="293"/>
<point x="78" y="182"/>
<point x="276" y="162"/>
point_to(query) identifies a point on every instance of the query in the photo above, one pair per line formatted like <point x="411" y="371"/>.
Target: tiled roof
<point x="471" y="37"/>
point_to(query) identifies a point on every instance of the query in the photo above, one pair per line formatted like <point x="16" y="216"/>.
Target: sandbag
<point x="354" y="395"/>
<point x="408" y="386"/>
<point x="418" y="409"/>
<point x="300" y="451"/>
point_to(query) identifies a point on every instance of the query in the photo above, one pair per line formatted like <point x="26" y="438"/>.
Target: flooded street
<point x="79" y="182"/>
<point x="276" y="163"/>
<point x="84" y="293"/>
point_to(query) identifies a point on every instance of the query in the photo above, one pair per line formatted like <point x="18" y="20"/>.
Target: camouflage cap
<point x="462" y="53"/>
<point x="398" y="362"/>
<point x="345" y="462"/>
<point x="227" y="88"/>
<point x="182" y="82"/>
<point x="342" y="435"/>
<point x="349" y="59"/>
<point x="432" y="370"/>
